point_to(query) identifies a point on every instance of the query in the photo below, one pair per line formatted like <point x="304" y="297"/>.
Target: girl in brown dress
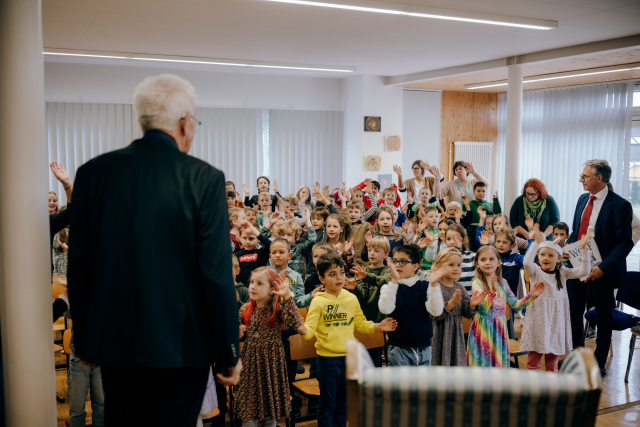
<point x="263" y="391"/>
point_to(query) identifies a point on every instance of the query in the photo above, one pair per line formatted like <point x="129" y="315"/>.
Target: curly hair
<point x="537" y="185"/>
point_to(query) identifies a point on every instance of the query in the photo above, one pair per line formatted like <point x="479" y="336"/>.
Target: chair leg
<point x="517" y="362"/>
<point x="611" y="348"/>
<point x="632" y="346"/>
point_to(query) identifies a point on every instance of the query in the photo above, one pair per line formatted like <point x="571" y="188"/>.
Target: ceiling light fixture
<point x="185" y="61"/>
<point x="565" y="75"/>
<point x="427" y="12"/>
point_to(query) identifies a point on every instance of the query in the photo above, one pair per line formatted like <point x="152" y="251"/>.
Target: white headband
<point x="552" y="245"/>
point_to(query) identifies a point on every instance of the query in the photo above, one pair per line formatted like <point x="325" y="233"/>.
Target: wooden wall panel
<point x="467" y="116"/>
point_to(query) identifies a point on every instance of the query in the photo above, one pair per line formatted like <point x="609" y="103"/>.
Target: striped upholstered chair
<point x="439" y="396"/>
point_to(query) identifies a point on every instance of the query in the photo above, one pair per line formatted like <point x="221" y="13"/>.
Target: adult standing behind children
<point x="415" y="184"/>
<point x="154" y="309"/>
<point x="610" y="217"/>
<point x="462" y="184"/>
<point x="537" y="204"/>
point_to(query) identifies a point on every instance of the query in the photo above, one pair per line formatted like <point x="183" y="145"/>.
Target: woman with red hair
<point x="537" y="204"/>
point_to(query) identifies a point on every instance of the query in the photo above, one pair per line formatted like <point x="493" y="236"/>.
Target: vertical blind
<point x="563" y="128"/>
<point x="305" y="147"/>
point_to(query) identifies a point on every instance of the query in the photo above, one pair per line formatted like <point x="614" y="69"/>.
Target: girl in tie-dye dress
<point x="488" y="341"/>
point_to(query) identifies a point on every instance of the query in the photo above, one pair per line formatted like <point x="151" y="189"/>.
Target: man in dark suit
<point x="150" y="287"/>
<point x="609" y="215"/>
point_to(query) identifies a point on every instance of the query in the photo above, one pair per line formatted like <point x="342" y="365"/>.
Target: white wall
<point x="74" y="82"/>
<point x="421" y="117"/>
<point x="353" y="126"/>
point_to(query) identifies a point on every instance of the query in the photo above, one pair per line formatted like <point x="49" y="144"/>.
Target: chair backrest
<point x="630" y="294"/>
<point x="370" y="341"/>
<point x="66" y="339"/>
<point x="57" y="289"/>
<point x="455" y="397"/>
<point x="303" y="312"/>
<point x="301" y="348"/>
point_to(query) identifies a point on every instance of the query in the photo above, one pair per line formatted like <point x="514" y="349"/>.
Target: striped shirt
<point x="468" y="270"/>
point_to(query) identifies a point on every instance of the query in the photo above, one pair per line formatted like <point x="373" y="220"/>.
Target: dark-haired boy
<point x="331" y="318"/>
<point x="243" y="292"/>
<point x="479" y="190"/>
<point x="413" y="300"/>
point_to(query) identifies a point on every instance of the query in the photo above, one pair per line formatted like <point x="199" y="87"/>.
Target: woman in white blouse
<point x="462" y="184"/>
<point x="415" y="184"/>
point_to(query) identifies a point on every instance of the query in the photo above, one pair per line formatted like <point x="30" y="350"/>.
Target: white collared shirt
<point x="597" y="205"/>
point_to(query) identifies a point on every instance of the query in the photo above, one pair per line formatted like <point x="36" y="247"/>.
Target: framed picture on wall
<point x="372" y="124"/>
<point x="372" y="163"/>
<point x="392" y="143"/>
<point x="385" y="181"/>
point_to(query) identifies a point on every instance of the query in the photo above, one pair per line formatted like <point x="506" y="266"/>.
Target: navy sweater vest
<point x="414" y="322"/>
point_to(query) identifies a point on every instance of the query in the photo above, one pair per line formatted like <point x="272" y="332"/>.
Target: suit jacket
<point x="612" y="235"/>
<point x="149" y="275"/>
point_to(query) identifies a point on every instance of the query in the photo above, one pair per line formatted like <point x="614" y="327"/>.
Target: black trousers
<point x="602" y="291"/>
<point x="136" y="395"/>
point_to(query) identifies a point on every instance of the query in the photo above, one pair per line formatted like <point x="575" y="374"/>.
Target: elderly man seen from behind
<point x="150" y="286"/>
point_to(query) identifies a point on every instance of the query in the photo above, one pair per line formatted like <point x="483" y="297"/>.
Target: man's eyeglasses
<point x="198" y="122"/>
<point x="584" y="177"/>
<point x="401" y="262"/>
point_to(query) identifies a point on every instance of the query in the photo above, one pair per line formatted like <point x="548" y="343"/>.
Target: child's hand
<point x="537" y="234"/>
<point x="436" y="275"/>
<point x="368" y="237"/>
<point x="273" y="219"/>
<point x="583" y="241"/>
<point x="284" y="274"/>
<point x="398" y="170"/>
<point x="281" y="288"/>
<point x="427" y="240"/>
<point x="316" y="290"/>
<point x="495" y="194"/>
<point x="537" y="289"/>
<point x="350" y="284"/>
<point x="494" y="285"/>
<point x="465" y="201"/>
<point x="63" y="245"/>
<point x="422" y="225"/>
<point x="485" y="238"/>
<point x="395" y="277"/>
<point x="455" y="299"/>
<point x="404" y="207"/>
<point x="316" y="187"/>
<point x="243" y="329"/>
<point x="275" y="186"/>
<point x="477" y="298"/>
<point x="410" y="197"/>
<point x="256" y="209"/>
<point x="269" y="209"/>
<point x="246" y="190"/>
<point x="458" y="215"/>
<point x="482" y="213"/>
<point x="387" y="324"/>
<point x="320" y="197"/>
<point x="368" y="186"/>
<point x="528" y="221"/>
<point x="348" y="245"/>
<point x="405" y="226"/>
<point x="325" y="191"/>
<point x="360" y="272"/>
<point x="61" y="280"/>
<point x="458" y="241"/>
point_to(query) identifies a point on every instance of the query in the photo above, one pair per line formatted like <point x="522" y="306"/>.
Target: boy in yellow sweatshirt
<point x="331" y="318"/>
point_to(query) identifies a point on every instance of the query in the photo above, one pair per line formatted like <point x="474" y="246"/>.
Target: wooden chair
<point x="514" y="345"/>
<point x="303" y="312"/>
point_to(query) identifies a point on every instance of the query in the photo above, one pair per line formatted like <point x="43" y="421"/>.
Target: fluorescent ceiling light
<point x="186" y="61"/>
<point x="427" y="12"/>
<point x="565" y="75"/>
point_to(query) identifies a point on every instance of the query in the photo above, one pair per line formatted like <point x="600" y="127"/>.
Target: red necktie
<point x="586" y="217"/>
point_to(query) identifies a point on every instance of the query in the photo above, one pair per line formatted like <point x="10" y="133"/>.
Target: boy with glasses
<point x="408" y="298"/>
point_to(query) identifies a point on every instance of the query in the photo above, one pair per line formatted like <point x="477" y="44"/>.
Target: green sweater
<point x="368" y="292"/>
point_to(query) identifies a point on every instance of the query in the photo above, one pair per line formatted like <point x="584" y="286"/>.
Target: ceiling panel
<point x="376" y="44"/>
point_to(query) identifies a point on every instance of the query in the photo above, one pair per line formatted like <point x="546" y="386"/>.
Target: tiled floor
<point x="619" y="404"/>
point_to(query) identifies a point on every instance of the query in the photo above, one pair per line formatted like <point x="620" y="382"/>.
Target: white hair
<point x="454" y="204"/>
<point x="161" y="101"/>
<point x="600" y="167"/>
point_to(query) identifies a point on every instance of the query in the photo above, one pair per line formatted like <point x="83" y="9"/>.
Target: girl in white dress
<point x="547" y="325"/>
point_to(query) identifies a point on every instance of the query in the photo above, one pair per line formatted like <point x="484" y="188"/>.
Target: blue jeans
<point x="83" y="379"/>
<point x="332" y="377"/>
<point x="409" y="356"/>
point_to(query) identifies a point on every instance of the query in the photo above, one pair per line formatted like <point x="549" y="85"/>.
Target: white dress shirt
<point x="635" y="229"/>
<point x="597" y="205"/>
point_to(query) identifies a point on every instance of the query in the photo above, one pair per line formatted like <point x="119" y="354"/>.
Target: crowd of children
<point x="376" y="261"/>
<point x="361" y="258"/>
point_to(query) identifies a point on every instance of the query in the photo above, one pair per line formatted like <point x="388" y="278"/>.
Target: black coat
<point x="612" y="235"/>
<point x="150" y="261"/>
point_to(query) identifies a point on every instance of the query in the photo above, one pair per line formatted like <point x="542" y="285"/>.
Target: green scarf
<point x="533" y="209"/>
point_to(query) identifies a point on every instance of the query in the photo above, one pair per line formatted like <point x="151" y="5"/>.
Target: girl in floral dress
<point x="488" y="341"/>
<point x="263" y="391"/>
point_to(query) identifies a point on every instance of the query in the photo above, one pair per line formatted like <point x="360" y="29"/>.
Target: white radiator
<point x="478" y="153"/>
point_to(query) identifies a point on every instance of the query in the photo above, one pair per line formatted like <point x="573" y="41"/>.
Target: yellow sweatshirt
<point x="331" y="319"/>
